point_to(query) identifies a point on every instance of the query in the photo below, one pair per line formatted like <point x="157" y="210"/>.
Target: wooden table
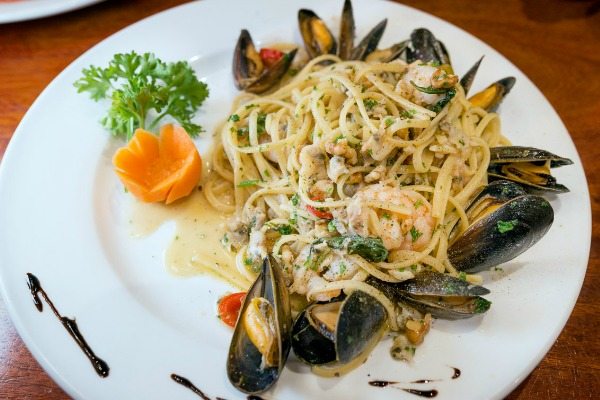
<point x="556" y="43"/>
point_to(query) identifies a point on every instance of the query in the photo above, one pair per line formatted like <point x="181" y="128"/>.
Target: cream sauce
<point x="196" y="246"/>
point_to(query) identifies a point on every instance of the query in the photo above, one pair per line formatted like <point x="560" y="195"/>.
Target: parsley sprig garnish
<point x="143" y="90"/>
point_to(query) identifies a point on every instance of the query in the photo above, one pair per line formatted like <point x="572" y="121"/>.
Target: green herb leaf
<point x="248" y="183"/>
<point x="429" y="89"/>
<point x="143" y="90"/>
<point x="234" y="118"/>
<point x="295" y="199"/>
<point x="369" y="248"/>
<point x="284" y="229"/>
<point x="481" y="305"/>
<point x="415" y="234"/>
<point x="370" y="103"/>
<point x="506" y="226"/>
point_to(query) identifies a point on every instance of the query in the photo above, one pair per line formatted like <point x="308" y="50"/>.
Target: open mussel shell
<point x="347" y="29"/>
<point x="424" y="46"/>
<point x="502" y="234"/>
<point x="272" y="75"/>
<point x="250" y="73"/>
<point x="440" y="295"/>
<point x="489" y="198"/>
<point x="369" y="43"/>
<point x="389" y="54"/>
<point x="527" y="166"/>
<point x="467" y="79"/>
<point x="340" y="331"/>
<point x="262" y="337"/>
<point x="490" y="98"/>
<point x="317" y="37"/>
<point x="247" y="64"/>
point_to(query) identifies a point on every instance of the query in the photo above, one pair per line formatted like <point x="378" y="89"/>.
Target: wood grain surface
<point x="556" y="43"/>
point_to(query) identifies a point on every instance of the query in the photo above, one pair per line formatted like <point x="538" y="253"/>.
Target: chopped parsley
<point x="408" y="114"/>
<point x="415" y="234"/>
<point x="481" y="305"/>
<point x="331" y="226"/>
<point x="260" y="123"/>
<point x="295" y="199"/>
<point x="463" y="276"/>
<point x="284" y="229"/>
<point x="248" y="261"/>
<point x="248" y="183"/>
<point x="370" y="103"/>
<point x="342" y="268"/>
<point x="386" y="216"/>
<point x="418" y="203"/>
<point x="506" y="226"/>
<point x="249" y="106"/>
<point x="388" y="122"/>
<point x="234" y="118"/>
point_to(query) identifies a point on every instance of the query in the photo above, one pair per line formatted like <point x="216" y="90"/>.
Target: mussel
<point x="319" y="40"/>
<point x="262" y="336"/>
<point x="505" y="221"/>
<point x="490" y="98"/>
<point x="467" y="79"/>
<point x="440" y="295"/>
<point x="250" y="72"/>
<point x="424" y="46"/>
<point x="340" y="333"/>
<point x="527" y="166"/>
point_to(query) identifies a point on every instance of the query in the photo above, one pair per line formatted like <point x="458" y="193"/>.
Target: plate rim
<point x="10" y="153"/>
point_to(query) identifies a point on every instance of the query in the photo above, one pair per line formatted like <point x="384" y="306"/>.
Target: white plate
<point x="22" y="10"/>
<point x="63" y="219"/>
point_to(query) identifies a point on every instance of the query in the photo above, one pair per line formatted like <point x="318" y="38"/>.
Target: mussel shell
<point x="369" y="43"/>
<point x="439" y="307"/>
<point x="491" y="196"/>
<point x="500" y="156"/>
<point x="389" y="54"/>
<point x="436" y="294"/>
<point x="315" y="45"/>
<point x="245" y="69"/>
<point x="490" y="98"/>
<point x="245" y="368"/>
<point x="361" y="316"/>
<point x="346" y="32"/>
<point x="271" y="76"/>
<point x="309" y="344"/>
<point x="429" y="283"/>
<point x="467" y="79"/>
<point x="502" y="235"/>
<point x="510" y="154"/>
<point x="425" y="47"/>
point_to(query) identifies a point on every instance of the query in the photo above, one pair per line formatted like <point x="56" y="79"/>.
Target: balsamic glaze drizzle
<point x="70" y="325"/>
<point x="381" y="383"/>
<point x="422" y="393"/>
<point x="185" y="382"/>
<point x="456" y="373"/>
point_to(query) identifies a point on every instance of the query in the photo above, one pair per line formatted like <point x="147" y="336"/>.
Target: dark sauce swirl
<point x="456" y="373"/>
<point x="186" y="383"/>
<point x="70" y="325"/>
<point x="422" y="393"/>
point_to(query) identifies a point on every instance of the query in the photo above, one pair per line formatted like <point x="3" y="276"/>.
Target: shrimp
<point x="397" y="231"/>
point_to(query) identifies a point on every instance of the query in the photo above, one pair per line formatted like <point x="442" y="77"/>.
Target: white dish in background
<point x="64" y="219"/>
<point x="24" y="10"/>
